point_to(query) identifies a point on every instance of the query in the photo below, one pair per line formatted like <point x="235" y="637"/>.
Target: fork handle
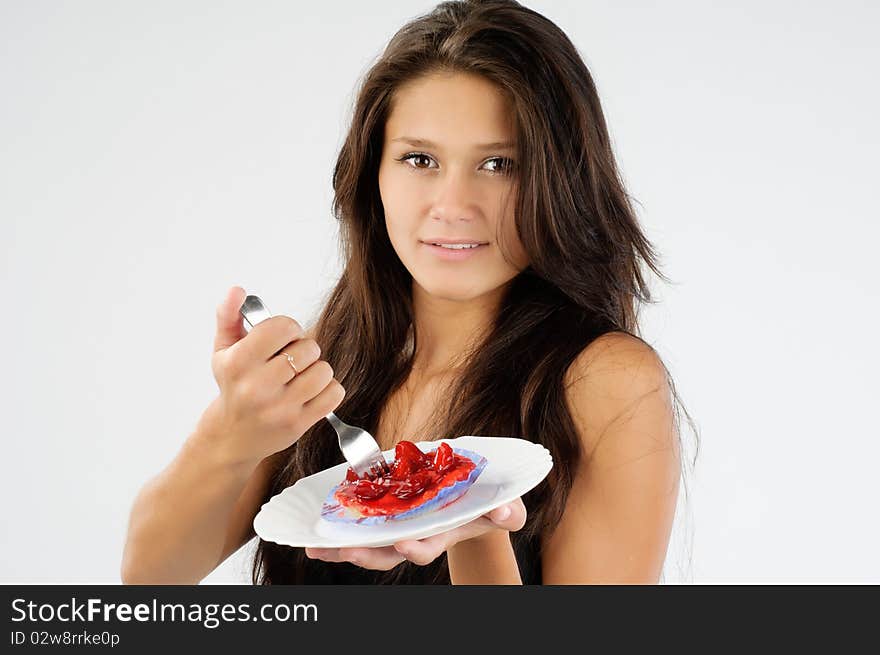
<point x="254" y="310"/>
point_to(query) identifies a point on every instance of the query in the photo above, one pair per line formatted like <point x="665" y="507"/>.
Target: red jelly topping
<point x="415" y="478"/>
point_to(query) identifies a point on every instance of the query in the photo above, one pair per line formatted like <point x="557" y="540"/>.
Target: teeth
<point x="457" y="246"/>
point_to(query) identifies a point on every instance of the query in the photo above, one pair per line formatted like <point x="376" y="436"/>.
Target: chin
<point x="450" y="290"/>
<point x="453" y="295"/>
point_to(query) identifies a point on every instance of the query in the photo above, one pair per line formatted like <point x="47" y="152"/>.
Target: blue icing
<point x="334" y="511"/>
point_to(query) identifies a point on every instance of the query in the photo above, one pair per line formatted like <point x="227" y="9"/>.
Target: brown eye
<point x="417" y="156"/>
<point x="503" y="165"/>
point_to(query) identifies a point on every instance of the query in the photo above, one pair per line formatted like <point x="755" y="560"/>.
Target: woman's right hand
<point x="264" y="406"/>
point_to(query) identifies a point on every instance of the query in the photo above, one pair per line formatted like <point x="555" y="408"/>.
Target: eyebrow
<point x="424" y="143"/>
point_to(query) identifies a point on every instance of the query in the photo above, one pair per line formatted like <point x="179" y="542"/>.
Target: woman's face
<point x="446" y="177"/>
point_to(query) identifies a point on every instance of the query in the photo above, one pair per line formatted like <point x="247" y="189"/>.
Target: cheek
<point x="390" y="204"/>
<point x="398" y="200"/>
<point x="385" y="190"/>
<point x="518" y="254"/>
<point x="513" y="251"/>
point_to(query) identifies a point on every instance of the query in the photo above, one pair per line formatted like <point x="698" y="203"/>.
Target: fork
<point x="357" y="445"/>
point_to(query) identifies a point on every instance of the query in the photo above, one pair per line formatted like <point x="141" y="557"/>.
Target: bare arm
<point x="617" y="520"/>
<point x="487" y="559"/>
<point x="196" y="512"/>
<point x="191" y="516"/>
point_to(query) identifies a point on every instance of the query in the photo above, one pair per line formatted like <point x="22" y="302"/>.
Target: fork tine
<point x="370" y="472"/>
<point x="359" y="448"/>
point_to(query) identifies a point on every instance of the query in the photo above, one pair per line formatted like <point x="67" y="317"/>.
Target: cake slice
<point x="417" y="483"/>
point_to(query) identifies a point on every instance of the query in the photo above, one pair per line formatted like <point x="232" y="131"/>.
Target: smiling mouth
<point x="454" y="251"/>
<point x="456" y="245"/>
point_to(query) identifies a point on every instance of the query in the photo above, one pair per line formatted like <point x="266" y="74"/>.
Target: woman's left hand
<point x="510" y="516"/>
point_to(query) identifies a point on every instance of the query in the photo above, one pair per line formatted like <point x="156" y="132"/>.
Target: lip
<point x="430" y="241"/>
<point x="453" y="255"/>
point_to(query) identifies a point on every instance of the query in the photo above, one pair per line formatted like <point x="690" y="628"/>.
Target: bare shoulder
<point x="619" y="511"/>
<point x="618" y="358"/>
<point x="616" y="377"/>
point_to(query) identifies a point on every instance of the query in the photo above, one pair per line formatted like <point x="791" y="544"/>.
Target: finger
<point x="510" y="516"/>
<point x="270" y="336"/>
<point x="382" y="558"/>
<point x="325" y="554"/>
<point x="438" y="543"/>
<point x="303" y="352"/>
<point x="425" y="551"/>
<point x="229" y="321"/>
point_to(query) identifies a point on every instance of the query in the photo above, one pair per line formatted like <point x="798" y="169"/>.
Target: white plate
<point x="293" y="517"/>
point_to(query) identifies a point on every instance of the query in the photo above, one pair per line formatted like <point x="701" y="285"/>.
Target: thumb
<point x="500" y="514"/>
<point x="510" y="516"/>
<point x="230" y="328"/>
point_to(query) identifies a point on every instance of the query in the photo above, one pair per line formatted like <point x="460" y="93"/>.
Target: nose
<point x="455" y="200"/>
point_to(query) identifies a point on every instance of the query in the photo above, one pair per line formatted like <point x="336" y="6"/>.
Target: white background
<point x="154" y="154"/>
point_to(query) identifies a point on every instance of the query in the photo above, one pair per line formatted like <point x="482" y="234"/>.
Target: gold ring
<point x="290" y="361"/>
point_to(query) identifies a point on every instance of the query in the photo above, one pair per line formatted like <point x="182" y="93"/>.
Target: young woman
<point x="493" y="269"/>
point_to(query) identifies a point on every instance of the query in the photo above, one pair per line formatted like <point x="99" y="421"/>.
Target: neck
<point x="448" y="329"/>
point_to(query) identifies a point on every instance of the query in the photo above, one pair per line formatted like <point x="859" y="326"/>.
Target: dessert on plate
<point x="418" y="482"/>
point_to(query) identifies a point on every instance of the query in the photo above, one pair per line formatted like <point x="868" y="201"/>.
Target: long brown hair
<point x="585" y="277"/>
